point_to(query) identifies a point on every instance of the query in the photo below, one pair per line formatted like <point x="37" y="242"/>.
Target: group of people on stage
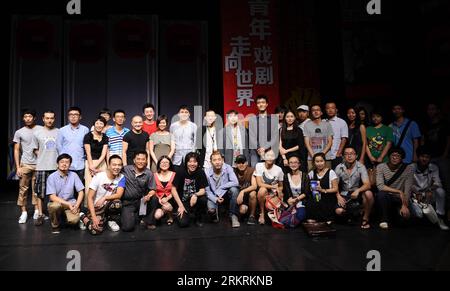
<point x="286" y="167"/>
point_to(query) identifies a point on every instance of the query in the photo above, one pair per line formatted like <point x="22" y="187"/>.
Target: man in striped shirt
<point x="116" y="133"/>
<point x="394" y="194"/>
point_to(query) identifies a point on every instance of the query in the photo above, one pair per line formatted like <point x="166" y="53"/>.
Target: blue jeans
<point x="231" y="194"/>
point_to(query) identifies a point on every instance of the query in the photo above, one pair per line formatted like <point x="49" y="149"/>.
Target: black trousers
<point x="152" y="206"/>
<point x="197" y="212"/>
<point x="390" y="205"/>
<point x="130" y="214"/>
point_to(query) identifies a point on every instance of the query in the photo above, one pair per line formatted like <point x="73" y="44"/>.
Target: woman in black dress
<point x="292" y="142"/>
<point x="322" y="201"/>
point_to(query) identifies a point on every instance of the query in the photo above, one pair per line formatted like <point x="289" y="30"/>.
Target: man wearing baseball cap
<point x="247" y="186"/>
<point x="303" y="115"/>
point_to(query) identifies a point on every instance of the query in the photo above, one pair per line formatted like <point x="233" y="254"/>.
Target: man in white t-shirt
<point x="340" y="135"/>
<point x="269" y="178"/>
<point x="104" y="198"/>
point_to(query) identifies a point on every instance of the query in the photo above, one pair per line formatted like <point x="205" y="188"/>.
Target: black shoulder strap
<point x="396" y="175"/>
<point x="405" y="130"/>
<point x="257" y="131"/>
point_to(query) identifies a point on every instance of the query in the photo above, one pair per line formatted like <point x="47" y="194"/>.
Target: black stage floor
<point x="218" y="247"/>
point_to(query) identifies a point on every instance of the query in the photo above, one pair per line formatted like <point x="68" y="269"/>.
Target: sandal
<point x="365" y="224"/>
<point x="261" y="220"/>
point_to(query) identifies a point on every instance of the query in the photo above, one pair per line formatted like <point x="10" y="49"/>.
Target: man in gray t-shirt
<point x="25" y="161"/>
<point x="44" y="146"/>
<point x="318" y="134"/>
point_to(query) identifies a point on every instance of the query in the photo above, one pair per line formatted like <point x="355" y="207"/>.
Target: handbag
<point x="292" y="216"/>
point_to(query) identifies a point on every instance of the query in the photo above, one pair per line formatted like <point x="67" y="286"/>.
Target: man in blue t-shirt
<point x="412" y="135"/>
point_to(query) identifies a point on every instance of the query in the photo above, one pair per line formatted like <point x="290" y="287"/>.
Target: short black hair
<point x="118" y="111"/>
<point x="105" y="111"/>
<point x="377" y="111"/>
<point x="183" y="107"/>
<point x="259" y="97"/>
<point x="316" y="105"/>
<point x="48" y="111"/>
<point x="423" y="150"/>
<point x="113" y="157"/>
<point x="64" y="156"/>
<point x="158" y="164"/>
<point x="232" y="111"/>
<point x="148" y="105"/>
<point x="101" y="119"/>
<point x="32" y="112"/>
<point x="161" y="118"/>
<point x="320" y="154"/>
<point x="241" y="159"/>
<point x="401" y="104"/>
<point x="397" y="150"/>
<point x="349" y="147"/>
<point x="74" y="108"/>
<point x="140" y="153"/>
<point x="281" y="109"/>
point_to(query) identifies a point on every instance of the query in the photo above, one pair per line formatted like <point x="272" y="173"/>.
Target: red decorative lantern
<point x="183" y="42"/>
<point x="87" y="42"/>
<point x="131" y="38"/>
<point x="35" y="39"/>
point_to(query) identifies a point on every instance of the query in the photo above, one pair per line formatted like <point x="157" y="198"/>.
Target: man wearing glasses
<point x="394" y="181"/>
<point x="354" y="187"/>
<point x="70" y="141"/>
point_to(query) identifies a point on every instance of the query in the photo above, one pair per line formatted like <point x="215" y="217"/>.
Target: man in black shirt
<point x="190" y="195"/>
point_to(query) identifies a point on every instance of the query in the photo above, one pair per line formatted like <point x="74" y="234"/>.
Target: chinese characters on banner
<point x="250" y="54"/>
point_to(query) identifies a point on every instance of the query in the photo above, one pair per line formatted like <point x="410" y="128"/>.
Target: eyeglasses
<point x="349" y="154"/>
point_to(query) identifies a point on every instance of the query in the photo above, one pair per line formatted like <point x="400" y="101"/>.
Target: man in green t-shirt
<point x="379" y="140"/>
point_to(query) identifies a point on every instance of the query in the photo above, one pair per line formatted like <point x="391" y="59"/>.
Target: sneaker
<point x="113" y="226"/>
<point x="151" y="226"/>
<point x="39" y="221"/>
<point x="442" y="224"/>
<point x="384" y="225"/>
<point x="55" y="230"/>
<point x="251" y="220"/>
<point x="23" y="217"/>
<point x="81" y="225"/>
<point x="36" y="214"/>
<point x="235" y="221"/>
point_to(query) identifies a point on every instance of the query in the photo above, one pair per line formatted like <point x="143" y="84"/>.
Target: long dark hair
<point x="284" y="127"/>
<point x="357" y="119"/>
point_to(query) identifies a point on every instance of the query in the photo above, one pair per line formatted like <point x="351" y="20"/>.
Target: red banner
<point x="249" y="54"/>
